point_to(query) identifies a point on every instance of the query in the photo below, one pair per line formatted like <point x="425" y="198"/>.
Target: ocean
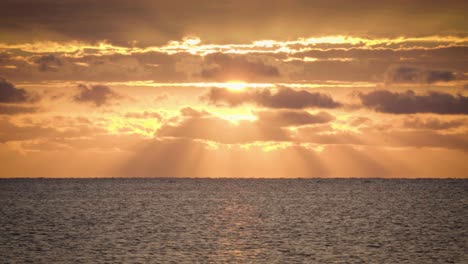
<point x="233" y="221"/>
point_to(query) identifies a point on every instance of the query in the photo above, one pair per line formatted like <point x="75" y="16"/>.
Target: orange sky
<point x="233" y="88"/>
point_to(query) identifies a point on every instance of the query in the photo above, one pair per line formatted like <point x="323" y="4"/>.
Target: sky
<point x="224" y="88"/>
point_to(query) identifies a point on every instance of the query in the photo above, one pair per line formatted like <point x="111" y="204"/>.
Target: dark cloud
<point x="282" y="98"/>
<point x="96" y="94"/>
<point x="10" y="94"/>
<point x="409" y="102"/>
<point x="150" y="22"/>
<point x="360" y="65"/>
<point x="15" y="109"/>
<point x="86" y="67"/>
<point x="225" y="67"/>
<point x="428" y="65"/>
<point x="48" y="63"/>
<point x="408" y="74"/>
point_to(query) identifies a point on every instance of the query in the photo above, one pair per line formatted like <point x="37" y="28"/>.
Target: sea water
<point x="233" y="220"/>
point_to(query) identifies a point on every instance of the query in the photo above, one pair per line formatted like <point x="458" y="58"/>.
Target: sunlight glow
<point x="236" y="85"/>
<point x="236" y="118"/>
<point x="195" y="46"/>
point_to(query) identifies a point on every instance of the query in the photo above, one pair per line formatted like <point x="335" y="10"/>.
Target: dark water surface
<point x="242" y="221"/>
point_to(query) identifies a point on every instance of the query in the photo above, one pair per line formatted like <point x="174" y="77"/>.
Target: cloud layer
<point x="234" y="88"/>
<point x="10" y="94"/>
<point x="408" y="74"/>
<point x="95" y="94"/>
<point x="282" y="98"/>
<point x="149" y="22"/>
<point x="227" y="67"/>
<point x="409" y="102"/>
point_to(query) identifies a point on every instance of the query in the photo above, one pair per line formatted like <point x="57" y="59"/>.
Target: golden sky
<point x="254" y="88"/>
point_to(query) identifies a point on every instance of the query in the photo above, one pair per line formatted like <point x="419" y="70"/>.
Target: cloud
<point x="385" y="138"/>
<point x="408" y="74"/>
<point x="10" y="94"/>
<point x="15" y="109"/>
<point x="152" y="22"/>
<point x="416" y="51"/>
<point x="359" y="120"/>
<point x="433" y="123"/>
<point x="196" y="124"/>
<point x="409" y="102"/>
<point x="96" y="94"/>
<point x="161" y="97"/>
<point x="282" y="98"/>
<point x="225" y="67"/>
<point x="48" y="63"/>
<point x="189" y="111"/>
<point x="113" y="63"/>
<point x="51" y="129"/>
<point x="144" y="115"/>
<point x="284" y="118"/>
<point x="54" y="145"/>
<point x="268" y="126"/>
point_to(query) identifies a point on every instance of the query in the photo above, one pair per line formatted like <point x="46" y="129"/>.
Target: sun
<point x="236" y="85"/>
